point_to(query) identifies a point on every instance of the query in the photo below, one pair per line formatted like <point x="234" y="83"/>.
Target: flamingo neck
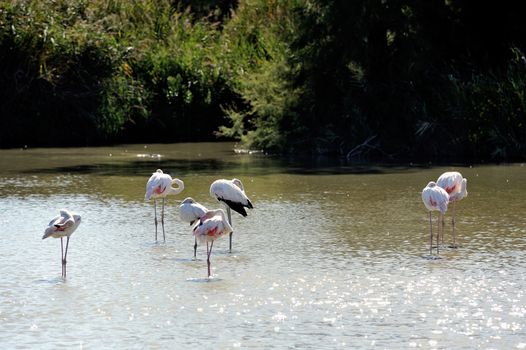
<point x="239" y="184"/>
<point x="463" y="188"/>
<point x="461" y="194"/>
<point x="178" y="189"/>
<point x="225" y="220"/>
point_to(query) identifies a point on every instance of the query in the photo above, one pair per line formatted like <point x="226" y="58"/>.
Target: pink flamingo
<point x="63" y="225"/>
<point x="159" y="186"/>
<point x="211" y="226"/>
<point x="434" y="198"/>
<point x="456" y="187"/>
<point x="232" y="193"/>
<point x="190" y="211"/>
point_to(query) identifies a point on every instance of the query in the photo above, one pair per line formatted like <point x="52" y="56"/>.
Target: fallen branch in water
<point x="364" y="148"/>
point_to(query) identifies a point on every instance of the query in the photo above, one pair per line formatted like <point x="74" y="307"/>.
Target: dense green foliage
<point x="362" y="79"/>
<point x="86" y="72"/>
<point x="392" y="79"/>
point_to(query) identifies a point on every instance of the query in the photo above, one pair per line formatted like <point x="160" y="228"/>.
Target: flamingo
<point x="63" y="225"/>
<point x="456" y="188"/>
<point x="232" y="193"/>
<point x="159" y="186"/>
<point x="190" y="211"/>
<point x="434" y="198"/>
<point x="212" y="225"/>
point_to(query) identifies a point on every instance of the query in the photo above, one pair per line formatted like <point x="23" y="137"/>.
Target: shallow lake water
<point x="332" y="256"/>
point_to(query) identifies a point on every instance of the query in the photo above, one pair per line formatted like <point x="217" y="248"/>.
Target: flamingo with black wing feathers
<point x="232" y="194"/>
<point x="210" y="227"/>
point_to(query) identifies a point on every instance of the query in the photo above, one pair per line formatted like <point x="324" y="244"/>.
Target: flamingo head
<point x="238" y="183"/>
<point x="48" y="232"/>
<point x="77" y="218"/>
<point x="188" y="200"/>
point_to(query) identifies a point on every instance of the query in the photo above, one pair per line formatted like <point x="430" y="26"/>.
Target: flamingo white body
<point x="212" y="225"/>
<point x="434" y="198"/>
<point x="190" y="211"/>
<point x="63" y="225"/>
<point x="456" y="187"/>
<point x="454" y="184"/>
<point x="232" y="193"/>
<point x="159" y="185"/>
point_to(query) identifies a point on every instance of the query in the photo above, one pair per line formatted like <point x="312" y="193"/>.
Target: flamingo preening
<point x="434" y="198"/>
<point x="190" y="211"/>
<point x="232" y="193"/>
<point x="159" y="186"/>
<point x="212" y="225"/>
<point x="63" y="225"/>
<point x="456" y="187"/>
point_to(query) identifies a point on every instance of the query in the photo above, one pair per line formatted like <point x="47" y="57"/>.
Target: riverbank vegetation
<point x="360" y="79"/>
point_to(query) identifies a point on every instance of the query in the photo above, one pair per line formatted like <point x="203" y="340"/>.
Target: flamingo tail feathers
<point x="235" y="206"/>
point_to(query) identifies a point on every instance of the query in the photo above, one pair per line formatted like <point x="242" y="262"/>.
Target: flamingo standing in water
<point x="159" y="186"/>
<point x="456" y="187"/>
<point x="63" y="225"/>
<point x="212" y="225"/>
<point x="190" y="211"/>
<point x="232" y="193"/>
<point x="434" y="198"/>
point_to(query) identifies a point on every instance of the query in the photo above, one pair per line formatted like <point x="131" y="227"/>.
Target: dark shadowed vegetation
<point x="360" y="79"/>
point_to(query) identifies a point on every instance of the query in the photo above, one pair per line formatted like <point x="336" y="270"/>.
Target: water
<point x="331" y="256"/>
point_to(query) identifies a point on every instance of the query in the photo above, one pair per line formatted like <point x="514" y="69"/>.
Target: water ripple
<point x="323" y="261"/>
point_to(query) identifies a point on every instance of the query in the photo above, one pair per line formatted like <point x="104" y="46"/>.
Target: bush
<point x="108" y="71"/>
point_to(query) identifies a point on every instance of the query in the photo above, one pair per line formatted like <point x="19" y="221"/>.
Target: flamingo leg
<point x="64" y="261"/>
<point x="229" y="213"/>
<point x="62" y="255"/>
<point x="195" y="248"/>
<point x="155" y="214"/>
<point x="209" y="252"/>
<point x="442" y="228"/>
<point x="453" y="224"/>
<point x="430" y="234"/>
<point x="438" y="228"/>
<point x="162" y="221"/>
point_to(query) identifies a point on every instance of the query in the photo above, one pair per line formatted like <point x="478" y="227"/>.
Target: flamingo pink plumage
<point x="211" y="226"/>
<point x="456" y="187"/>
<point x="159" y="185"/>
<point x="434" y="198"/>
<point x="232" y="193"/>
<point x="63" y="225"/>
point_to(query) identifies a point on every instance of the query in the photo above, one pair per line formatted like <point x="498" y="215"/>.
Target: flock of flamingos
<point x="208" y="225"/>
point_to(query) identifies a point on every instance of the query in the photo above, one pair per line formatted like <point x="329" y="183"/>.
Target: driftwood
<point x="362" y="149"/>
